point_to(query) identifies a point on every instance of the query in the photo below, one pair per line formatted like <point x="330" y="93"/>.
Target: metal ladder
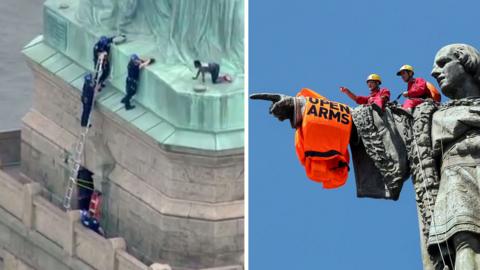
<point x="79" y="145"/>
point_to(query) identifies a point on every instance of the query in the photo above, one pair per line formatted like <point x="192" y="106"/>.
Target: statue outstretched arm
<point x="284" y="107"/>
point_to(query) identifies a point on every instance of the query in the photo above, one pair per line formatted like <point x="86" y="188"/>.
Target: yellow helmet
<point x="405" y="67"/>
<point x="374" y="77"/>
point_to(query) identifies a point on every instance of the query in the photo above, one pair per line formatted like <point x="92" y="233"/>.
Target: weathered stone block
<point x="181" y="207"/>
<point x="9" y="147"/>
<point x="51" y="222"/>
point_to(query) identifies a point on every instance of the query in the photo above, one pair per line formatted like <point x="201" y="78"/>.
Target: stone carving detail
<point x="387" y="150"/>
<point x="443" y="154"/>
<point x="423" y="166"/>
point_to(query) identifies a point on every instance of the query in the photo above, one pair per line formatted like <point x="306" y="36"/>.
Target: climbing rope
<point x="441" y="150"/>
<point x="429" y="198"/>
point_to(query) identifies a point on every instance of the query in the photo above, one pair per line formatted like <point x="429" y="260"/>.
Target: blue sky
<point x="293" y="222"/>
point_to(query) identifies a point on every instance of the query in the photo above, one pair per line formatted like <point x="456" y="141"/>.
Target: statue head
<point x="457" y="70"/>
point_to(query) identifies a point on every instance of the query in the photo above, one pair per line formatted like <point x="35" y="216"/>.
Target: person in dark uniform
<point x="134" y="67"/>
<point x="85" y="188"/>
<point x="87" y="98"/>
<point x="102" y="47"/>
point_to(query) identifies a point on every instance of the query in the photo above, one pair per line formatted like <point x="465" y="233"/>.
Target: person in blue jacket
<point x="133" y="77"/>
<point x="87" y="98"/>
<point x="102" y="47"/>
<point x="90" y="222"/>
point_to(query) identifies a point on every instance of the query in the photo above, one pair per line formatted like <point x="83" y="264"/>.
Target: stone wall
<point x="199" y="176"/>
<point x="10" y="145"/>
<point x="11" y="262"/>
<point x="184" y="208"/>
<point x="34" y="233"/>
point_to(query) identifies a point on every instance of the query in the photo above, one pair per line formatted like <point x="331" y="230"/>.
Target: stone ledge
<point x="59" y="247"/>
<point x="42" y="126"/>
<point x="168" y="83"/>
<point x="139" y="153"/>
<point x="11" y="262"/>
<point x="39" y="57"/>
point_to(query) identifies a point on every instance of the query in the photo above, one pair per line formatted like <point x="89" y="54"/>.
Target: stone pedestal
<point x="179" y="205"/>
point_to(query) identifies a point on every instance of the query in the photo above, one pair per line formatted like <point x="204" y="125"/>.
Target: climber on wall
<point x="418" y="88"/>
<point x="213" y="69"/>
<point x="85" y="188"/>
<point x="378" y="96"/>
<point x="102" y="49"/>
<point x="87" y="98"/>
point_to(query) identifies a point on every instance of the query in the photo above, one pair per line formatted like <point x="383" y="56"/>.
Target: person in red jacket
<point x="417" y="90"/>
<point x="378" y="96"/>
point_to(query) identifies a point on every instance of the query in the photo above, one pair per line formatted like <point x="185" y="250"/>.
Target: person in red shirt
<point x="417" y="90"/>
<point x="378" y="96"/>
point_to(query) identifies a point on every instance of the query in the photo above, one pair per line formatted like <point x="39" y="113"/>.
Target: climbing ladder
<point x="80" y="144"/>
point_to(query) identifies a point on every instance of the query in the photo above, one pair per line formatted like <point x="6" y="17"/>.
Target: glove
<point x="152" y="60"/>
<point x="284" y="107"/>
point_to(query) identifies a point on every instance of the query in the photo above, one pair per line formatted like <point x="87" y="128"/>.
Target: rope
<point x="441" y="149"/>
<point x="84" y="186"/>
<point x="84" y="181"/>
<point x="428" y="206"/>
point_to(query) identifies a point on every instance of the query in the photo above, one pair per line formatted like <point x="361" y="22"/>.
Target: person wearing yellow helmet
<point x="417" y="90"/>
<point x="378" y="96"/>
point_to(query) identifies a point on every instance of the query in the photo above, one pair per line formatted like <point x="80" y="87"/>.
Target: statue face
<point x="449" y="72"/>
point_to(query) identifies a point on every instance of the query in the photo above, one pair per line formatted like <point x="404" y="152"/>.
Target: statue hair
<point x="469" y="57"/>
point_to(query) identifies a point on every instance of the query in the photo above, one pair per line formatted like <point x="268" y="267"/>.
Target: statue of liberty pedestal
<point x="437" y="144"/>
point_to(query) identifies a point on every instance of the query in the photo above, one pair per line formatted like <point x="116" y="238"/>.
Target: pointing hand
<point x="282" y="105"/>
